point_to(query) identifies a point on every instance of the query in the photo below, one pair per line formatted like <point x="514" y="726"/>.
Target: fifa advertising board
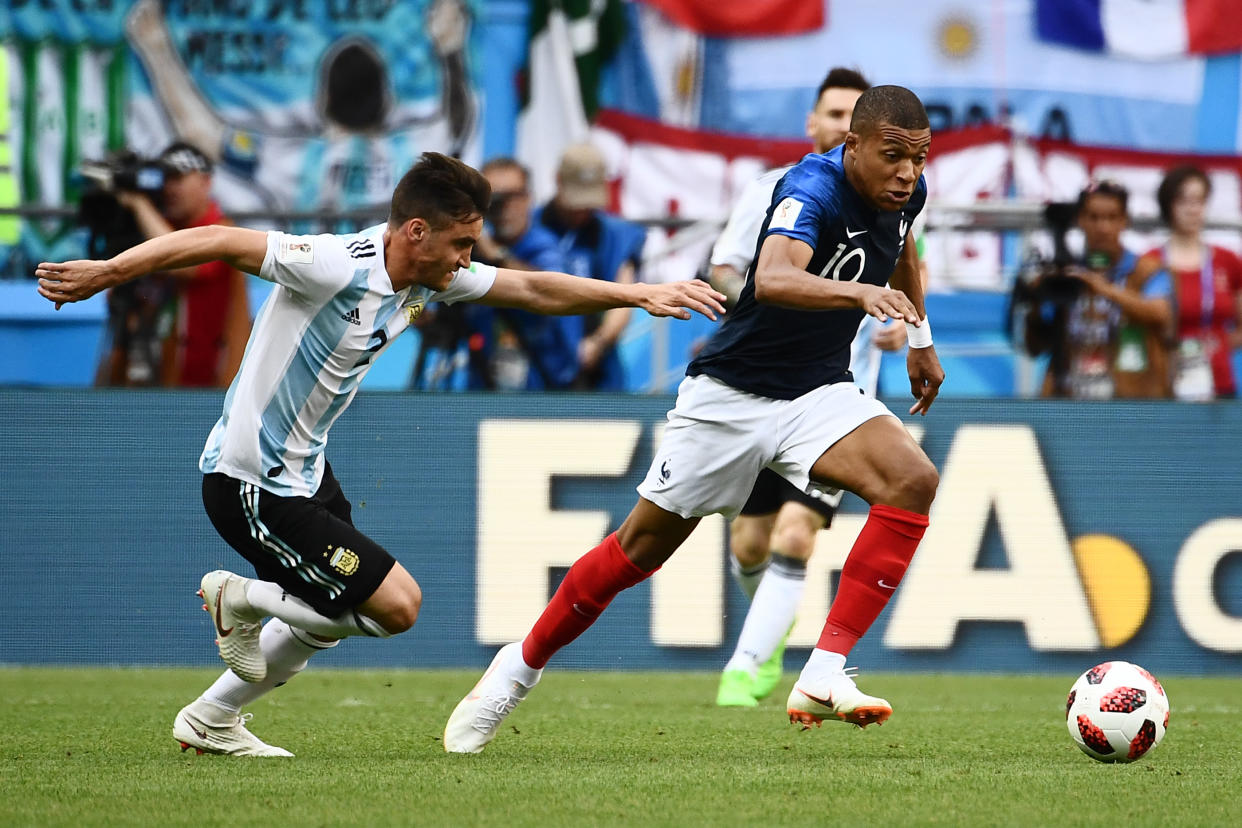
<point x="1062" y="532"/>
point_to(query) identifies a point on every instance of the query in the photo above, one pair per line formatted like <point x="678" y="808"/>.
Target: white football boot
<point x="477" y="717"/>
<point x="834" y="695"/>
<point x="237" y="624"/>
<point x="231" y="738"/>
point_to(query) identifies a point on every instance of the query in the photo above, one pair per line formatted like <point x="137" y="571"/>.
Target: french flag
<point x="1144" y="29"/>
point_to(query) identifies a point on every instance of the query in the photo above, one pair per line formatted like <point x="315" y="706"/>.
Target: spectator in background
<point x="1207" y="290"/>
<point x="513" y="349"/>
<point x="597" y="245"/>
<point x="1122" y="321"/>
<point x="213" y="318"/>
<point x="1105" y="317"/>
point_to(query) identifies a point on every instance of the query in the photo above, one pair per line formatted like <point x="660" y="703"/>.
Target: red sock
<point x="871" y="574"/>
<point x="589" y="586"/>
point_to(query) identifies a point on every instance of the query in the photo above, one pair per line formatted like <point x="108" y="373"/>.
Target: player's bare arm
<point x="781" y="278"/>
<point x="73" y="281"/>
<point x="560" y="294"/>
<point x="907" y="278"/>
<point x="592" y="348"/>
<point x="922" y="364"/>
<point x="152" y="223"/>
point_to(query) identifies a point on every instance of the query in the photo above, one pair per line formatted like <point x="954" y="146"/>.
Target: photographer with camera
<point x="212" y="319"/>
<point x="475" y="347"/>
<point x="139" y="312"/>
<point x="1103" y="318"/>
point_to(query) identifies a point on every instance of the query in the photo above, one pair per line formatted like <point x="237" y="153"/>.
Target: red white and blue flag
<point x="1143" y="29"/>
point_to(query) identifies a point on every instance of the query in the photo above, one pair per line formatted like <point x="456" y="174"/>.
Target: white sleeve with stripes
<point x="312" y="266"/>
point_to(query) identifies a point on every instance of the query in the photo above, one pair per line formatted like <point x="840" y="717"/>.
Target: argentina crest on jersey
<point x="416" y="303"/>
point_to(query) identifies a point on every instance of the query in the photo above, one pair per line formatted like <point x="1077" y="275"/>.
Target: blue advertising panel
<point x="1063" y="533"/>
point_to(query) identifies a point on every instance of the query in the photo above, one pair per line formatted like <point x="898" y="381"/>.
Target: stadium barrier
<point x="1063" y="533"/>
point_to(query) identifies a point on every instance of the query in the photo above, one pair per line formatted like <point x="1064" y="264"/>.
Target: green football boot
<point x="769" y="674"/>
<point x="736" y="689"/>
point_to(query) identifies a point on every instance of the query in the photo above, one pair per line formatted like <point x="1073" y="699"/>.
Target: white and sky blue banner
<point x="303" y="105"/>
<point x="970" y="62"/>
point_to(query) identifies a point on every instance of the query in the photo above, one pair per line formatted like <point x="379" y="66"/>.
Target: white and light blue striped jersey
<point x="332" y="312"/>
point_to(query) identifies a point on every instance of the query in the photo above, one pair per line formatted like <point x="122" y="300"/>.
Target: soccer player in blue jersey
<point x="339" y="301"/>
<point x="773" y="536"/>
<point x="773" y="390"/>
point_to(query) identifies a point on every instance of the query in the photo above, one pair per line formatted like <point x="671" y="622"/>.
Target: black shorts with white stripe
<point x="308" y="545"/>
<point x="772" y="491"/>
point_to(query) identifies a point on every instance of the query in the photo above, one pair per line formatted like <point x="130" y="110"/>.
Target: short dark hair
<point x="506" y="162"/>
<point x="841" y="77"/>
<point x="894" y="105"/>
<point x="1105" y="187"/>
<point x="440" y="190"/>
<point x="1172" y="185"/>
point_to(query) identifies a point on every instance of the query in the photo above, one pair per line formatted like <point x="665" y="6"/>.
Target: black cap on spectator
<point x="1105" y="187"/>
<point x="182" y="157"/>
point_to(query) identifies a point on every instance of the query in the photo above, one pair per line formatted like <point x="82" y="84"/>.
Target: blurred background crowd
<point x="1080" y="239"/>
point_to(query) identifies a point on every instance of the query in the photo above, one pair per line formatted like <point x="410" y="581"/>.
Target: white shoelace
<point x="493" y="712"/>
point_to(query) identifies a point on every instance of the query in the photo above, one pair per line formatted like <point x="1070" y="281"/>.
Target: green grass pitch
<point x="94" y="747"/>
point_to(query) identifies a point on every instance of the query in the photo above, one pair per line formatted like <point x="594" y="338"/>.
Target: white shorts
<point x="719" y="438"/>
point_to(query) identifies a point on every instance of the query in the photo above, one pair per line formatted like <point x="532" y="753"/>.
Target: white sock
<point x="271" y="599"/>
<point x="771" y="614"/>
<point x="747" y="578"/>
<point x="521" y="671"/>
<point x="286" y="650"/>
<point x="821" y="666"/>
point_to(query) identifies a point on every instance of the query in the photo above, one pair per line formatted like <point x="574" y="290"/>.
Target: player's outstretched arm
<point x="562" y="295"/>
<point x="63" y="282"/>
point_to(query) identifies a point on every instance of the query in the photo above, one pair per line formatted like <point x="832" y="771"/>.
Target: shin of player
<point x="900" y="483"/>
<point x="646" y="539"/>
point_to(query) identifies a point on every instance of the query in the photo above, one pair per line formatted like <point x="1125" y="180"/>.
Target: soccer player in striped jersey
<point x="340" y="301"/>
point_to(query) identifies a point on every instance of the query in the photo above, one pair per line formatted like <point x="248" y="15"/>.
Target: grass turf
<point x="86" y="747"/>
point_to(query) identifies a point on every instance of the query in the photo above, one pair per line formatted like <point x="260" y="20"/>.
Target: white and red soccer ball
<point x="1117" y="712"/>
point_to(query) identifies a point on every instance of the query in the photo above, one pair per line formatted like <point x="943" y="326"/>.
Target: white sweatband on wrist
<point x="919" y="336"/>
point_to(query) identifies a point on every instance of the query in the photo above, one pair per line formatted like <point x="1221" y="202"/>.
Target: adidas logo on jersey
<point x="361" y="248"/>
<point x="352" y="317"/>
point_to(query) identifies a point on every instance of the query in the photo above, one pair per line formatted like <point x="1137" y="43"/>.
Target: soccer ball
<point x="1117" y="712"/>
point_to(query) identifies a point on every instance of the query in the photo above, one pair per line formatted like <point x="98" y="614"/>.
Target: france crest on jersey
<point x="783" y="353"/>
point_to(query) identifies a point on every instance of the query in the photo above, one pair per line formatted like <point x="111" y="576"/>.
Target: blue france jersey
<point x="783" y="353"/>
